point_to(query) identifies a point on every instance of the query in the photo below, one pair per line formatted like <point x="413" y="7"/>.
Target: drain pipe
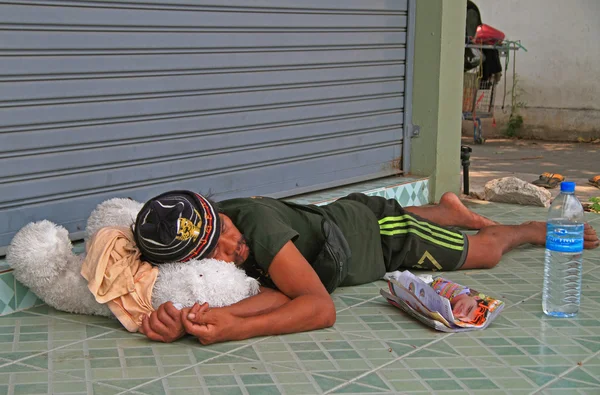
<point x="465" y="156"/>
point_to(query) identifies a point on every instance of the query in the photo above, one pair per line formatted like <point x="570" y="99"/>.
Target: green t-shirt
<point x="269" y="223"/>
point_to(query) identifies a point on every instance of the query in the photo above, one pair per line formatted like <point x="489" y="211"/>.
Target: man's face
<point x="231" y="246"/>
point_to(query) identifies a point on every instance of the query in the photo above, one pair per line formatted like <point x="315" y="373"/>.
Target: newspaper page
<point x="440" y="303"/>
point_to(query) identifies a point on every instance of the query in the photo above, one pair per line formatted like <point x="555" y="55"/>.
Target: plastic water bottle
<point x="564" y="248"/>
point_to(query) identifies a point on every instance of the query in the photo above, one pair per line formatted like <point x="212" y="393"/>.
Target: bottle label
<point x="565" y="238"/>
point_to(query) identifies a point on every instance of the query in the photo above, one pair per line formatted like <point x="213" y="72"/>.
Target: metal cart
<point x="479" y="96"/>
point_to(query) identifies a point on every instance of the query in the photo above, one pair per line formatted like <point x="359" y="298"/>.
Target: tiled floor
<point x="373" y="347"/>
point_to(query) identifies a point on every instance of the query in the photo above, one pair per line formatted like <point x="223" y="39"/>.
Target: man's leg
<point x="409" y="242"/>
<point x="451" y="212"/>
<point x="488" y="245"/>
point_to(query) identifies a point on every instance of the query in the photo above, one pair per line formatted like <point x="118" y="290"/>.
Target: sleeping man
<point x="301" y="253"/>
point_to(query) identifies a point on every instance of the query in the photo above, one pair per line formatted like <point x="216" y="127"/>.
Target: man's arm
<point x="310" y="306"/>
<point x="165" y="324"/>
<point x="267" y="300"/>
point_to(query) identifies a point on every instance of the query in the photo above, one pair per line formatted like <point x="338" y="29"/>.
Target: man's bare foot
<point x="590" y="238"/>
<point x="461" y="215"/>
<point x="538" y="230"/>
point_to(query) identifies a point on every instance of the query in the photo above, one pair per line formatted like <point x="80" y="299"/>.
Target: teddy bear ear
<point x="112" y="212"/>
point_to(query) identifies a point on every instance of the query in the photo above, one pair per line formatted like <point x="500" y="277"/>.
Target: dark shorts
<point x="412" y="242"/>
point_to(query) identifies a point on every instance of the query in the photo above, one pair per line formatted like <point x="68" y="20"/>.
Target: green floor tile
<point x="479" y="384"/>
<point x="592" y="345"/>
<point x="256" y="379"/>
<point x="299" y="389"/>
<point x="432" y="373"/>
<point x="355" y="364"/>
<point x="515" y="383"/>
<point x="263" y="390"/>
<point x="140" y="362"/>
<point x="444" y="385"/>
<point x="564" y="383"/>
<point x="69" y="387"/>
<point x="537" y="378"/>
<point x="226" y="391"/>
<point x="524" y="341"/>
<point x="354" y="388"/>
<point x="506" y="350"/>
<point x="538" y="350"/>
<point x="30" y="389"/>
<point x="410" y="387"/>
<point x="498" y="341"/>
<point x="464" y="373"/>
<point x="337" y="345"/>
<point x="373" y="380"/>
<point x="345" y="354"/>
<point x="326" y="383"/>
<point x="213" y="381"/>
<point x="105" y="363"/>
<point x="549" y="360"/>
<point x="311" y="355"/>
<point x="581" y="375"/>
<point x="185" y="380"/>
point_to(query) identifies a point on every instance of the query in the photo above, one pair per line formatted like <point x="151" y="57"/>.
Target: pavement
<point x="527" y="159"/>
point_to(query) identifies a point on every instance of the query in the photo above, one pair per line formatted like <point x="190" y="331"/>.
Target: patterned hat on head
<point x="177" y="226"/>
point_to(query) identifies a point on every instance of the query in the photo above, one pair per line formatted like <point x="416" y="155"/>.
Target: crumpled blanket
<point x="117" y="276"/>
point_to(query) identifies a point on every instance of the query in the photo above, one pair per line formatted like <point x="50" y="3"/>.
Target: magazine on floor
<point x="440" y="303"/>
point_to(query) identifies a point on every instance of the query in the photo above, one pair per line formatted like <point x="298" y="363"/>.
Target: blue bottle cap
<point x="567" y="186"/>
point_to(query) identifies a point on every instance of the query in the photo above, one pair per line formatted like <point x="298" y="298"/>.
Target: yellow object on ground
<point x="549" y="180"/>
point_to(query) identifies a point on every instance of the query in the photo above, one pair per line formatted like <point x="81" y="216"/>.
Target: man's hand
<point x="164" y="324"/>
<point x="210" y="325"/>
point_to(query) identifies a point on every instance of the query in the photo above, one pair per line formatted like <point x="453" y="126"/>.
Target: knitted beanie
<point x="177" y="226"/>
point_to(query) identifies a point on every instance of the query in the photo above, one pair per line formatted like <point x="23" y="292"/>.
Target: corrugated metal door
<point x="100" y="99"/>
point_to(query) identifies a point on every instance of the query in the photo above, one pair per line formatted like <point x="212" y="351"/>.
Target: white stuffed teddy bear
<point x="42" y="259"/>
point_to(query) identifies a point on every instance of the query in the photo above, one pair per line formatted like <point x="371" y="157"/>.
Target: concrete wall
<point x="437" y="93"/>
<point x="560" y="73"/>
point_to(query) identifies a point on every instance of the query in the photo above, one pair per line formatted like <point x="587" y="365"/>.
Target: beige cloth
<point x="118" y="277"/>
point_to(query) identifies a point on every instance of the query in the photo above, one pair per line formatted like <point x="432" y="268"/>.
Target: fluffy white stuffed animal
<point x="42" y="259"/>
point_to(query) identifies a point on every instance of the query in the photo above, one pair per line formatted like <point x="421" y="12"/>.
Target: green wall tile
<point x="25" y="298"/>
<point x="7" y="293"/>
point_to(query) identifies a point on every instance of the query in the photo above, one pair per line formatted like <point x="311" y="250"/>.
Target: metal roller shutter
<point x="100" y="99"/>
